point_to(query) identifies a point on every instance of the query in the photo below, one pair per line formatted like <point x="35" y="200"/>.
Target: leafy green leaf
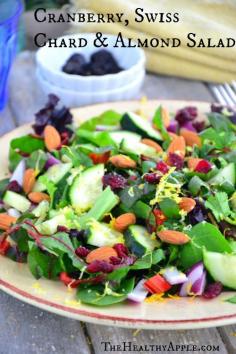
<point x="97" y="138"/>
<point x="21" y="238"/>
<point x="77" y="157"/>
<point x="3" y="186"/>
<point x="14" y="158"/>
<point x="196" y="186"/>
<point x="159" y="123"/>
<point x="118" y="274"/>
<point x="219" y="122"/>
<point x="103" y="296"/>
<point x="37" y="160"/>
<point x="59" y="244"/>
<point x="42" y="264"/>
<point x="203" y="235"/>
<point x="170" y="208"/>
<point x="218" y="139"/>
<point x="219" y="205"/>
<point x="50" y="187"/>
<point x="232" y="300"/>
<point x="110" y="118"/>
<point x="27" y="144"/>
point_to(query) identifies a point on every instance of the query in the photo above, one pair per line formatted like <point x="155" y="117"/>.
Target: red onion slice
<point x="51" y="161"/>
<point x="18" y="174"/>
<point x="173" y="276"/>
<point x="199" y="285"/>
<point x="139" y="293"/>
<point x="13" y="212"/>
<point x="193" y="274"/>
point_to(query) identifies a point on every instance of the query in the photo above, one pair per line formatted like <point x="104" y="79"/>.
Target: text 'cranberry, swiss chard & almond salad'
<point x="123" y="207"/>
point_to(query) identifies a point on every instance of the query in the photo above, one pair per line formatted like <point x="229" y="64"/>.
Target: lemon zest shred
<point x="167" y="189"/>
<point x="155" y="298"/>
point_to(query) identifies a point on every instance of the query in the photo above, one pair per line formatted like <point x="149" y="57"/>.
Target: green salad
<point x="125" y="207"/>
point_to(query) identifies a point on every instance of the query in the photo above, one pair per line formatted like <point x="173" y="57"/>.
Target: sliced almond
<point x="101" y="254"/>
<point x="29" y="180"/>
<point x="38" y="197"/>
<point x="122" y="161"/>
<point x="153" y="144"/>
<point x="124" y="221"/>
<point x="173" y="237"/>
<point x="6" y="221"/>
<point x="191" y="138"/>
<point x="52" y="138"/>
<point x="187" y="204"/>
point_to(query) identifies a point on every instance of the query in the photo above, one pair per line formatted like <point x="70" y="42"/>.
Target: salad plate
<point x="171" y="312"/>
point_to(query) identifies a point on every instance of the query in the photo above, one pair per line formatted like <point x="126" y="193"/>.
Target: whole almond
<point x="187" y="204"/>
<point x="153" y="144"/>
<point x="52" y="138"/>
<point x="38" y="197"/>
<point x="124" y="221"/>
<point x="173" y="237"/>
<point x="29" y="180"/>
<point x="177" y="146"/>
<point x="101" y="254"/>
<point x="191" y="138"/>
<point x="165" y="116"/>
<point x="193" y="162"/>
<point x="6" y="221"/>
<point x="122" y="161"/>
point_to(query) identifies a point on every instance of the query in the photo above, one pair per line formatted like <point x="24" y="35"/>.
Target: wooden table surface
<point x="26" y="329"/>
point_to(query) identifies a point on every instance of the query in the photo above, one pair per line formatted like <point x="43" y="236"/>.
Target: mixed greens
<point x="125" y="207"/>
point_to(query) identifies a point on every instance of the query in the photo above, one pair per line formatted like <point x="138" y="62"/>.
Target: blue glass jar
<point x="10" y="11"/>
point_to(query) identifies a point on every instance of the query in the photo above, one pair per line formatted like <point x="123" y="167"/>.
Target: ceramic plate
<point x="185" y="313"/>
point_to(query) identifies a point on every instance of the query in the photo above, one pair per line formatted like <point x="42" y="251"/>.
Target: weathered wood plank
<point x="6" y="121"/>
<point x="228" y="335"/>
<point x="26" y="329"/>
<point x="103" y="338"/>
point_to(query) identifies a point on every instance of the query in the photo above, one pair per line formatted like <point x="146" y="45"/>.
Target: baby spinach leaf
<point x="27" y="144"/>
<point x="170" y="208"/>
<point x="37" y="160"/>
<point x="14" y="159"/>
<point x="203" y="235"/>
<point x="99" y="295"/>
<point x="109" y="118"/>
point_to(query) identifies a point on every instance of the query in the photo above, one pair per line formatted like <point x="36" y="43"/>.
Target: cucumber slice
<point x="222" y="267"/>
<point x="86" y="188"/>
<point x="16" y="201"/>
<point x="134" y="123"/>
<point x="101" y="234"/>
<point x="139" y="241"/>
<point x="225" y="175"/>
<point x="135" y="147"/>
<point x="118" y="136"/>
<point x="49" y="227"/>
<point x="54" y="174"/>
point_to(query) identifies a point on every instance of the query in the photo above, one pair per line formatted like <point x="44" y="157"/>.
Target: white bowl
<point x="72" y="98"/>
<point x="51" y="60"/>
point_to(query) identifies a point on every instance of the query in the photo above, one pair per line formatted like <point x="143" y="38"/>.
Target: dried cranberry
<point x="114" y="180"/>
<point x="186" y="114"/>
<point x="203" y="166"/>
<point x="74" y="233"/>
<point x="175" y="160"/>
<point x="199" y="125"/>
<point x="64" y="138"/>
<point x="82" y="251"/>
<point x="162" y="167"/>
<point x="62" y="229"/>
<point x="100" y="266"/>
<point x="115" y="260"/>
<point x="14" y="187"/>
<point x="152" y="178"/>
<point x="121" y="250"/>
<point x="213" y="290"/>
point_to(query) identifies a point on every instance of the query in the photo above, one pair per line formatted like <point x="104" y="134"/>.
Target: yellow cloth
<point x="209" y="18"/>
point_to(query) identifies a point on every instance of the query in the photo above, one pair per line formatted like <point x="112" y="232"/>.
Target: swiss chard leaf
<point x="42" y="264"/>
<point x="21" y="238"/>
<point x="59" y="244"/>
